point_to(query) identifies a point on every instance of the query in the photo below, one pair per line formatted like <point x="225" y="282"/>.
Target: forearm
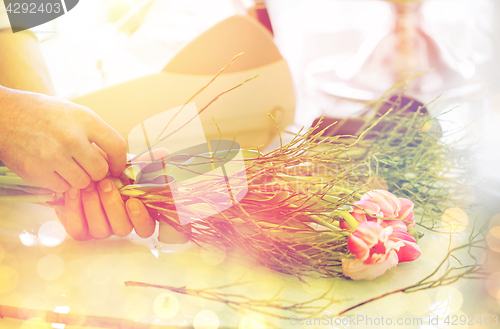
<point x="22" y="65"/>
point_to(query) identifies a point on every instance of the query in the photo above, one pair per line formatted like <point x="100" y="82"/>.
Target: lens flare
<point x="166" y="305"/>
<point x="206" y="319"/>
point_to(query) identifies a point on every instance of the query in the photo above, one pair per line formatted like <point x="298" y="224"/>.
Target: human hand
<point x="98" y="211"/>
<point x="49" y="141"/>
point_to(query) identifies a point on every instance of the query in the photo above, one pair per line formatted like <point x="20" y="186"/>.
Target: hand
<point x="98" y="211"/>
<point x="48" y="141"/>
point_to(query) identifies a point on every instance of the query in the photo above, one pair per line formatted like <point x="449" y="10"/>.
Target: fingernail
<point x="105" y="185"/>
<point x="73" y="192"/>
<point x="89" y="188"/>
<point x="133" y="207"/>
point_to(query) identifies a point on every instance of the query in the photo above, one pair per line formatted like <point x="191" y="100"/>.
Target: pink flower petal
<point x="358" y="270"/>
<point x="371" y="207"/>
<point x="389" y="204"/>
<point x="402" y="234"/>
<point x="369" y="232"/>
<point x="358" y="247"/>
<point x="406" y="207"/>
<point x="410" y="250"/>
<point x="359" y="217"/>
<point x="393" y="223"/>
<point x="406" y="212"/>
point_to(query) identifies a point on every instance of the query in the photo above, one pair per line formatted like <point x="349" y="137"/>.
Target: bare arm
<point x="48" y="141"/>
<point x="21" y="63"/>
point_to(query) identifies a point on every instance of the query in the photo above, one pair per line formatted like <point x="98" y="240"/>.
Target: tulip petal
<point x="393" y="223"/>
<point x="358" y="247"/>
<point x="410" y="250"/>
<point x="359" y="217"/>
<point x="369" y="232"/>
<point x="357" y="270"/>
<point x="406" y="207"/>
<point x="370" y="207"/>
<point x="406" y="212"/>
<point x="389" y="204"/>
<point x="402" y="234"/>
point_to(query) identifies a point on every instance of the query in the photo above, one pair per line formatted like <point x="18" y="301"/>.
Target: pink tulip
<point x="379" y="244"/>
<point x="369" y="242"/>
<point x="389" y="204"/>
<point x="406" y="214"/>
<point x="390" y="207"/>
<point x="376" y="250"/>
<point x="410" y="251"/>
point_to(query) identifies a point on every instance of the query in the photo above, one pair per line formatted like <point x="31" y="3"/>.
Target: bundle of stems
<point x="406" y="155"/>
<point x="296" y="195"/>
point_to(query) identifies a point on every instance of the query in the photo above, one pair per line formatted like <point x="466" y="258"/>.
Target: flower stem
<point x="351" y="221"/>
<point x="14" y="180"/>
<point x="27" y="198"/>
<point x="325" y="223"/>
<point x="347" y="191"/>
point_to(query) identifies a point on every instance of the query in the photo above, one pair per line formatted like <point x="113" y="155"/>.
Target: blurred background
<point x="328" y="45"/>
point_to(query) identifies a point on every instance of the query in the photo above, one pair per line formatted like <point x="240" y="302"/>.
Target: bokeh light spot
<point x="206" y="319"/>
<point x="493" y="239"/>
<point x="136" y="307"/>
<point x="101" y="271"/>
<point x="212" y="255"/>
<point x="8" y="279"/>
<point x="455" y="220"/>
<point x="166" y="306"/>
<point x="95" y="294"/>
<point x="495" y="231"/>
<point x="2" y="253"/>
<point x="493" y="284"/>
<point x="77" y="272"/>
<point x="393" y="305"/>
<point x="418" y="303"/>
<point x="450" y="298"/>
<point x="376" y="183"/>
<point x="462" y="320"/>
<point x="252" y="321"/>
<point x="494" y="221"/>
<point x="35" y="323"/>
<point x="28" y="239"/>
<point x="51" y="267"/>
<point x="51" y="233"/>
<point x="4" y="208"/>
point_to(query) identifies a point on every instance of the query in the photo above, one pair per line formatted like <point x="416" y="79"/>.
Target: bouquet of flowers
<point x="318" y="206"/>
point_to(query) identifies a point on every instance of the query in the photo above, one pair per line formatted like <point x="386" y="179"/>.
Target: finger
<point x="113" y="144"/>
<point x="92" y="162"/>
<point x="52" y="181"/>
<point x="144" y="225"/>
<point x="101" y="152"/>
<point x="75" y="223"/>
<point x="74" y="175"/>
<point x="114" y="207"/>
<point x="97" y="221"/>
<point x="62" y="218"/>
